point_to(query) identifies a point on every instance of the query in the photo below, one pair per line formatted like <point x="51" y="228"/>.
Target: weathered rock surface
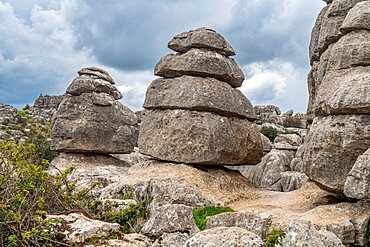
<point x="357" y="183"/>
<point x="225" y="237"/>
<point x="86" y="84"/>
<point x="199" y="138"/>
<point x="259" y="224"/>
<point x="302" y="233"/>
<point x="197" y="93"/>
<point x="291" y="180"/>
<point x="173" y="239"/>
<point x="350" y="50"/>
<point x="201" y="38"/>
<point x="268" y="172"/>
<point x="287" y="142"/>
<point x="332" y="147"/>
<point x="128" y="240"/>
<point x="96" y="73"/>
<point x="170" y="218"/>
<point x="202" y="63"/>
<point x="357" y="18"/>
<point x="170" y="183"/>
<point x="94" y="123"/>
<point x="344" y="91"/>
<point x="90" y="168"/>
<point x="78" y="228"/>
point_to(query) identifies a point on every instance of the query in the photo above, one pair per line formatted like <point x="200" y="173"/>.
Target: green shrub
<point x="274" y="238"/>
<point x="27" y="193"/>
<point x="200" y="214"/>
<point x="40" y="138"/>
<point x="270" y="132"/>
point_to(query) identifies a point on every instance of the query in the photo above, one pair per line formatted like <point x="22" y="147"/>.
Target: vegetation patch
<point x="269" y="132"/>
<point x="275" y="238"/>
<point x="200" y="214"/>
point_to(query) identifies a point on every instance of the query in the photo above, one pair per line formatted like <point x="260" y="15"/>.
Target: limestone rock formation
<point x="78" y="228"/>
<point x="90" y="120"/>
<point x="225" y="237"/>
<point x="194" y="114"/>
<point x="358" y="180"/>
<point x="339" y="87"/>
<point x="303" y="233"/>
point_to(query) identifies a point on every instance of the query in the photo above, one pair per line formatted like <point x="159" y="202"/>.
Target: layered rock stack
<point x="339" y="87"/>
<point x="194" y="113"/>
<point x="90" y="119"/>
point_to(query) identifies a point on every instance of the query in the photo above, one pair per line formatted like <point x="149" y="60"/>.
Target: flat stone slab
<point x="201" y="38"/>
<point x="204" y="63"/>
<point x="198" y="93"/>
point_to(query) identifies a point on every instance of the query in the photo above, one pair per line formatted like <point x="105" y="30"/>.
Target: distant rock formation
<point x="339" y="87"/>
<point x="91" y="120"/>
<point x="194" y="114"/>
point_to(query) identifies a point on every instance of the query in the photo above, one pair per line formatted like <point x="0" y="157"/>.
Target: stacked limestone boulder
<point x="194" y="113"/>
<point x="90" y="119"/>
<point x="339" y="86"/>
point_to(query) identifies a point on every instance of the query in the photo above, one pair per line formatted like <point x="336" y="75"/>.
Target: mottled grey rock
<point x="344" y="92"/>
<point x="287" y="142"/>
<point x="357" y="183"/>
<point x="197" y="93"/>
<point x="266" y="143"/>
<point x="332" y="20"/>
<point x="291" y="180"/>
<point x="127" y="240"/>
<point x="332" y="147"/>
<point x="77" y="228"/>
<point x="201" y="38"/>
<point x="353" y="49"/>
<point x="258" y="223"/>
<point x="357" y="18"/>
<point x="96" y="73"/>
<point x="88" y="84"/>
<point x="89" y="169"/>
<point x="202" y="63"/>
<point x="94" y="123"/>
<point x="302" y="233"/>
<point x="170" y="218"/>
<point x="199" y="138"/>
<point x="260" y="109"/>
<point x="268" y="172"/>
<point x="315" y="35"/>
<point x="172" y="183"/>
<point x="173" y="239"/>
<point x="225" y="237"/>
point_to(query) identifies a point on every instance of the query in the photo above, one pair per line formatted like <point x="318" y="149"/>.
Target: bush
<point x="270" y="132"/>
<point x="27" y="193"/>
<point x="274" y="238"/>
<point x="200" y="214"/>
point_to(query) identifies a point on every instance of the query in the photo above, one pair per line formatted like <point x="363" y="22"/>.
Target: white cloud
<point x="275" y="82"/>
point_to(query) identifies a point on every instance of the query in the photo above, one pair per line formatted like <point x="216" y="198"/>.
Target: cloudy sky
<point x="43" y="43"/>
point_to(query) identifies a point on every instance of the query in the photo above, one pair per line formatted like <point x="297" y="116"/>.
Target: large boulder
<point x="199" y="137"/>
<point x="91" y="120"/>
<point x="332" y="147"/>
<point x="357" y="18"/>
